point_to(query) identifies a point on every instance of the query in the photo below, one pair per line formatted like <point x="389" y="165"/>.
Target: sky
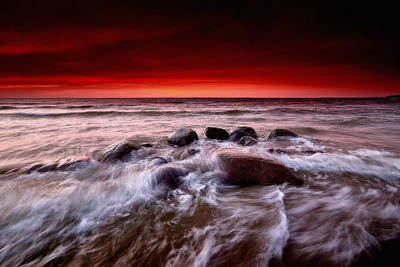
<point x="198" y="49"/>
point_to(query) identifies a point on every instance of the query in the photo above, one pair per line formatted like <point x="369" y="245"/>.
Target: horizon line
<point x="322" y="97"/>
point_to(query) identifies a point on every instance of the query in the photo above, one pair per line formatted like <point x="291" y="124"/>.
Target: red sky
<point x="201" y="49"/>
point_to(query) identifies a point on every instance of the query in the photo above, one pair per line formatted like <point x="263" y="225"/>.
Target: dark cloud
<point x="322" y="43"/>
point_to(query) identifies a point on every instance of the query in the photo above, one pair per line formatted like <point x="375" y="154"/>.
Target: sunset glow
<point x="209" y="50"/>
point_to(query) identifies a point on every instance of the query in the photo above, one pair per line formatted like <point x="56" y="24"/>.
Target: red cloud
<point x="62" y="39"/>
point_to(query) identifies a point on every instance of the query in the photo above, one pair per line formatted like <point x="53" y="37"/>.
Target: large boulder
<point x="247" y="169"/>
<point x="280" y="133"/>
<point x="239" y="132"/>
<point x="247" y="141"/>
<point x="182" y="136"/>
<point x="117" y="151"/>
<point x="168" y="175"/>
<point x="216" y="133"/>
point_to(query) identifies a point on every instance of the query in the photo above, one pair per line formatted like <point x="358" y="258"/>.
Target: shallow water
<point x="109" y="214"/>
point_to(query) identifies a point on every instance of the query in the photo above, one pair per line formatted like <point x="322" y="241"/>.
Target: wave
<point x="372" y="163"/>
<point x="79" y="107"/>
<point x="292" y="110"/>
<point x="47" y="107"/>
<point x="106" y="213"/>
<point x="69" y="114"/>
<point x="126" y="113"/>
<point x="308" y="130"/>
<point x="7" y="107"/>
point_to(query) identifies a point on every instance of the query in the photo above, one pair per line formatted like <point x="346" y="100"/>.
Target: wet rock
<point x="157" y="161"/>
<point x="183" y="153"/>
<point x="117" y="151"/>
<point x="188" y="153"/>
<point x="239" y="132"/>
<point x="247" y="169"/>
<point x="161" y="144"/>
<point x="30" y="168"/>
<point x="247" y="141"/>
<point x="66" y="164"/>
<point x="45" y="168"/>
<point x="168" y="175"/>
<point x="71" y="163"/>
<point x="280" y="133"/>
<point x="216" y="133"/>
<point x="182" y="136"/>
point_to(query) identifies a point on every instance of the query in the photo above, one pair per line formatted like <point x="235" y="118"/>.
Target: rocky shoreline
<point x="238" y="167"/>
<point x="168" y="167"/>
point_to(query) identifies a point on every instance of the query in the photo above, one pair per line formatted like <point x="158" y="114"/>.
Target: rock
<point x="247" y="141"/>
<point x="117" y="151"/>
<point x="168" y="175"/>
<point x="66" y="164"/>
<point x="280" y="133"/>
<point x="44" y="168"/>
<point x="29" y="169"/>
<point x="182" y="136"/>
<point x="71" y="163"/>
<point x="188" y="153"/>
<point x="247" y="169"/>
<point x="239" y="132"/>
<point x="216" y="133"/>
<point x="157" y="161"/>
<point x="183" y="153"/>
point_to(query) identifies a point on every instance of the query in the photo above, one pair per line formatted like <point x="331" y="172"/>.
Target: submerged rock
<point x="216" y="133"/>
<point x="71" y="163"/>
<point x="247" y="169"/>
<point x="40" y="167"/>
<point x="280" y="133"/>
<point x="188" y="153"/>
<point x="168" y="175"/>
<point x="247" y="141"/>
<point x="66" y="164"/>
<point x="117" y="151"/>
<point x="157" y="161"/>
<point x="182" y="136"/>
<point x="183" y="153"/>
<point x="239" y="132"/>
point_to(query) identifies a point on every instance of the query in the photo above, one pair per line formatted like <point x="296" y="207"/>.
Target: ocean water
<point x="346" y="213"/>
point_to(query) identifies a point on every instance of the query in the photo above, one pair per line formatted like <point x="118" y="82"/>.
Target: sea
<point x="347" y="212"/>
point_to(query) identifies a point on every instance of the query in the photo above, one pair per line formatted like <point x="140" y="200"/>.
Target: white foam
<point x="210" y="222"/>
<point x="337" y="223"/>
<point x="336" y="163"/>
